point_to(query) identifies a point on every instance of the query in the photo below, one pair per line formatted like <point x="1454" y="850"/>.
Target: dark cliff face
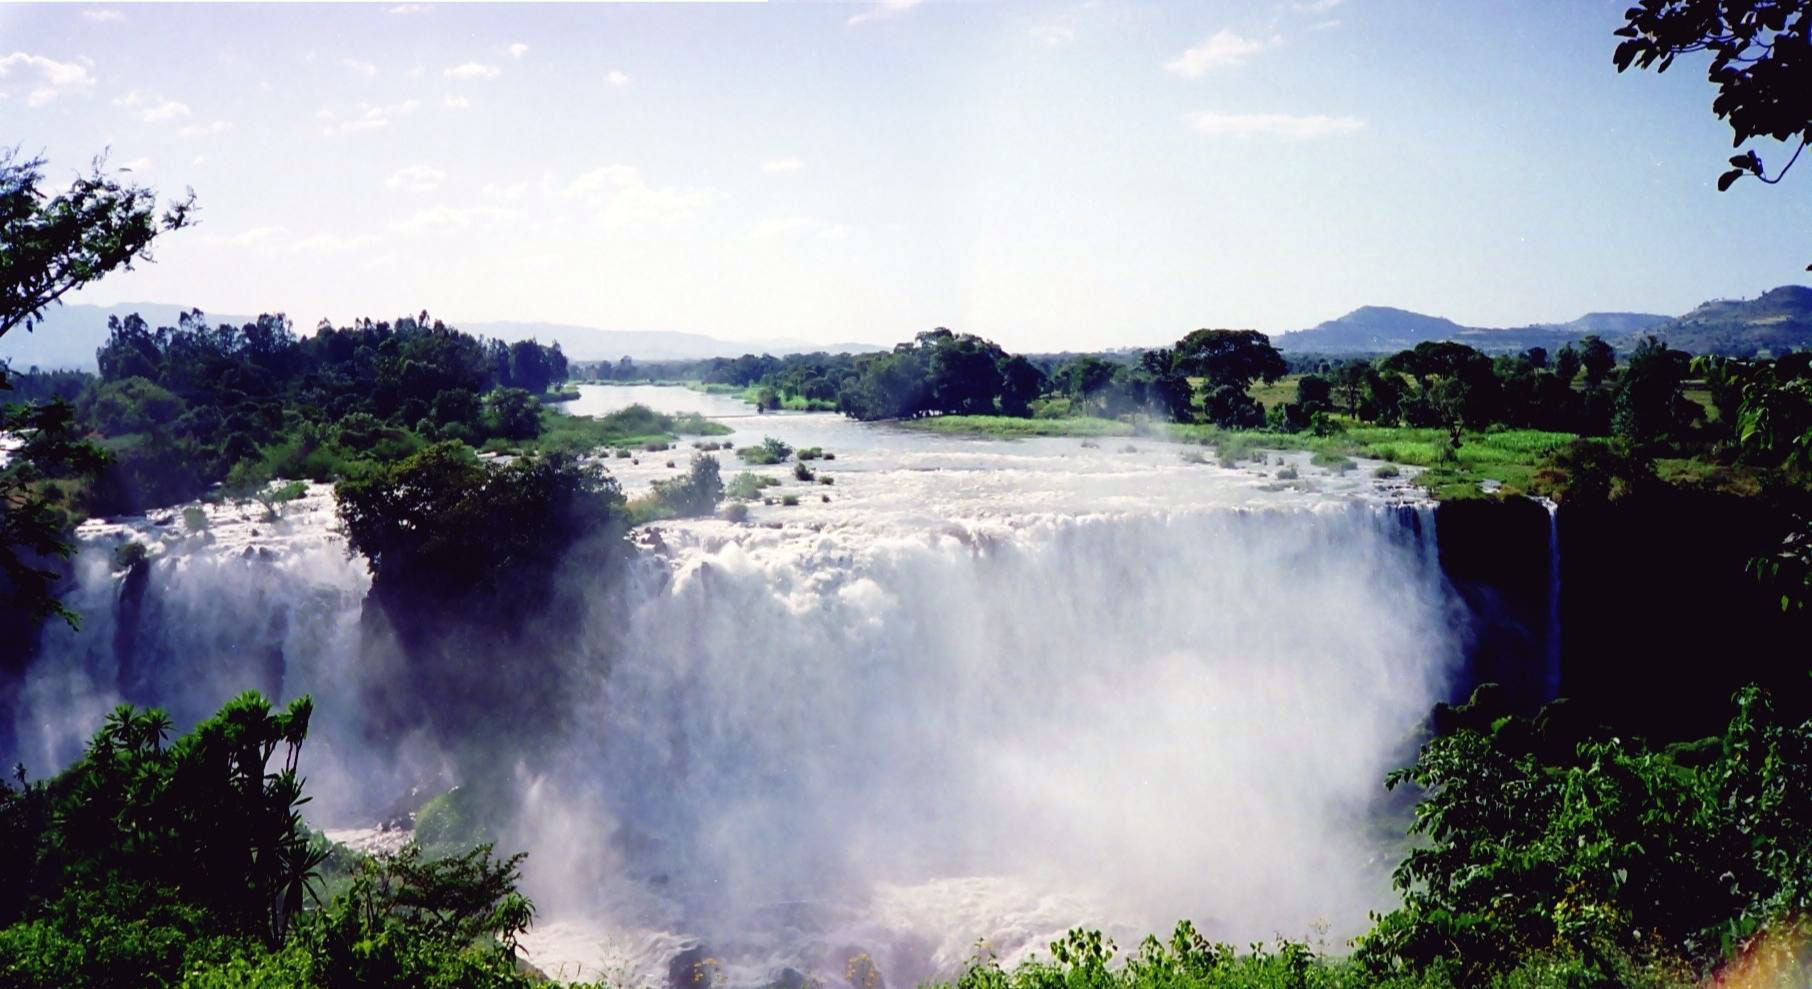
<point x="1496" y="555"/>
<point x="1658" y="620"/>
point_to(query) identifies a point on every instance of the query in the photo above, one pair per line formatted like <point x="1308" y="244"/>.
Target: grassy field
<point x="1508" y="457"/>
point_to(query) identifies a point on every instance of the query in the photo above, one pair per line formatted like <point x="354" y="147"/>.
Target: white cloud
<point x="1317" y="6"/>
<point x="416" y="178"/>
<point x="53" y="77"/>
<point x="508" y="193"/>
<point x="782" y="166"/>
<point x="366" y="69"/>
<point x="102" y="16"/>
<point x="1324" y="25"/>
<point x="364" y="116"/>
<point x="163" y="111"/>
<point x="473" y="70"/>
<point x="617" y="77"/>
<point x="621" y="198"/>
<point x="409" y="8"/>
<point x="458" y="102"/>
<point x="198" y="161"/>
<point x="1054" y="35"/>
<point x="883" y="9"/>
<point x="518" y="49"/>
<point x="136" y="165"/>
<point x="330" y="243"/>
<point x="1279" y="125"/>
<point x="444" y="219"/>
<point x="253" y="237"/>
<point x="206" y="130"/>
<point x="1223" y="49"/>
<point x="791" y="227"/>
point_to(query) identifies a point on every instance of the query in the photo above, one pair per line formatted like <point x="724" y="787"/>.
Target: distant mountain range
<point x="69" y="336"/>
<point x="1779" y="320"/>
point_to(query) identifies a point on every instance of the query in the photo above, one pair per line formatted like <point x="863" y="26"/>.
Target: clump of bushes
<point x="194" y="519"/>
<point x="736" y="511"/>
<point x="748" y="484"/>
<point x="1287" y="474"/>
<point x="810" y="453"/>
<point x="769" y="451"/>
<point x="1387" y="471"/>
<point x="129" y="554"/>
<point x="789" y="500"/>
<point x="691" y="496"/>
<point x="802" y="473"/>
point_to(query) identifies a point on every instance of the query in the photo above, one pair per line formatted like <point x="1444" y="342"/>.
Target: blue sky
<point x="1050" y="175"/>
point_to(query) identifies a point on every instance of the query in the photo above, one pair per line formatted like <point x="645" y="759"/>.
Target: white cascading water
<point x="986" y="692"/>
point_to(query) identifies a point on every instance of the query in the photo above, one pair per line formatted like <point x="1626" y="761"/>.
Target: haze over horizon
<point x="1050" y="176"/>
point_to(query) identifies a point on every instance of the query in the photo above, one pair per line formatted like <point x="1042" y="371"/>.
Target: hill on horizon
<point x="1777" y="321"/>
<point x="69" y="335"/>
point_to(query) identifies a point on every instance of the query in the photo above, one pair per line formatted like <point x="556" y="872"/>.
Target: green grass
<point x="635" y="426"/>
<point x="1009" y="427"/>
<point x="1508" y="456"/>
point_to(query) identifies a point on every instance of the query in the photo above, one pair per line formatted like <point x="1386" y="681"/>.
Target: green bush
<point x="770" y="451"/>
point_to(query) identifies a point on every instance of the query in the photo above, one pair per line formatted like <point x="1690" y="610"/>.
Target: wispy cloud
<point x="1224" y="48"/>
<point x="444" y="219"/>
<point x="617" y="77"/>
<point x="458" y="102"/>
<point x="366" y="69"/>
<point x="206" y="130"/>
<point x="152" y="109"/>
<point x="253" y="236"/>
<point x="621" y="198"/>
<point x="409" y="8"/>
<point x="53" y="77"/>
<point x="883" y="9"/>
<point x="362" y="117"/>
<point x="416" y="179"/>
<point x="518" y="49"/>
<point x="1054" y="35"/>
<point x="103" y="16"/>
<point x="331" y="243"/>
<point x="782" y="166"/>
<point x="1276" y="125"/>
<point x="164" y="111"/>
<point x="473" y="70"/>
<point x="1317" y="6"/>
<point x="798" y="227"/>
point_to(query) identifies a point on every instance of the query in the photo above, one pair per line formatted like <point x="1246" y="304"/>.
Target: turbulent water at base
<point x="985" y="692"/>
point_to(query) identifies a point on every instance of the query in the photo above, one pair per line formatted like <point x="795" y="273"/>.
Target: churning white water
<point x="985" y="692"/>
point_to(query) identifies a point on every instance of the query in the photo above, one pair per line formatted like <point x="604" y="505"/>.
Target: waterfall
<point x="909" y="742"/>
<point x="882" y="737"/>
<point x="1553" y="633"/>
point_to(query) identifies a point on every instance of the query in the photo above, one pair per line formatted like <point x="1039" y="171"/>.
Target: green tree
<point x="1566" y="364"/>
<point x="1758" y="64"/>
<point x="1650" y="404"/>
<point x="51" y="245"/>
<point x="1596" y="358"/>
